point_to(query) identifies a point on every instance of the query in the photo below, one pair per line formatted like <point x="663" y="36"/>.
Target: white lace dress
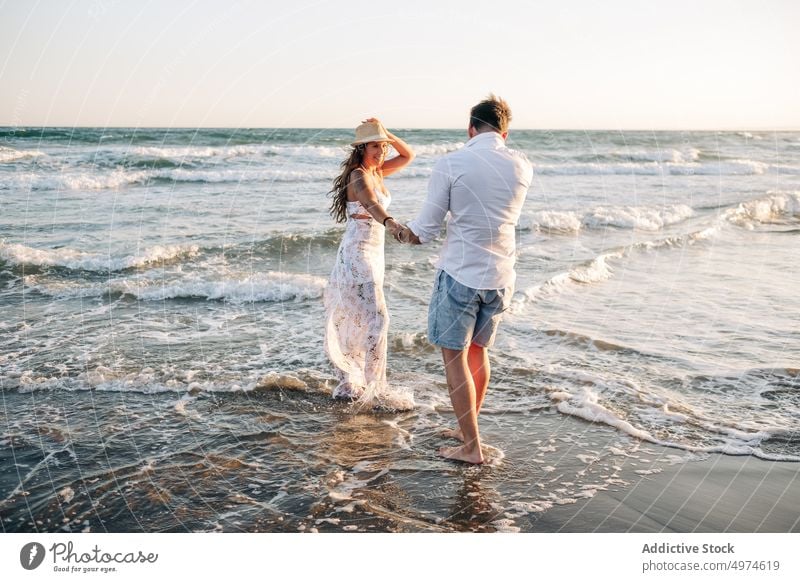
<point x="357" y="319"/>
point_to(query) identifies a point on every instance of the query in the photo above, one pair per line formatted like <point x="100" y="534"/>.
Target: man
<point x="483" y="187"/>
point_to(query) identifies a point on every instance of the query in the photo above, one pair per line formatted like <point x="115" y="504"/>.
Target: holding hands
<point x="400" y="232"/>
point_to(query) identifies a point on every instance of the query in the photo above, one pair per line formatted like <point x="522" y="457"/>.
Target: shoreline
<point x="290" y="460"/>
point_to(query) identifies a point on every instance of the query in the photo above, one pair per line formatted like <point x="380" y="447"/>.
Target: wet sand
<point x="290" y="460"/>
<point x="723" y="494"/>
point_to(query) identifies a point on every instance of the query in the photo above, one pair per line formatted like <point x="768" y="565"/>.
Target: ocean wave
<point x="8" y="155"/>
<point x="776" y="206"/>
<point x="120" y="178"/>
<point x="436" y="149"/>
<point x="641" y="218"/>
<point x="595" y="271"/>
<point x="74" y="181"/>
<point x="263" y="175"/>
<point x="185" y="153"/>
<point x="290" y="244"/>
<point x="626" y="217"/>
<point x="748" y="135"/>
<point x="670" y="155"/>
<point x="188" y="153"/>
<point x="669" y="419"/>
<point x="598" y="269"/>
<point x="270" y="286"/>
<point x="654" y="168"/>
<point x="17" y="255"/>
<point x="178" y="168"/>
<point x="770" y="208"/>
<point x="554" y="221"/>
<point x="235" y="175"/>
<point x="261" y="287"/>
<point x="582" y="340"/>
<point x="278" y="244"/>
<point x="152" y="381"/>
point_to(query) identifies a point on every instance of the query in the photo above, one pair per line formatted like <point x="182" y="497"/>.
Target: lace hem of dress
<point x="383" y="399"/>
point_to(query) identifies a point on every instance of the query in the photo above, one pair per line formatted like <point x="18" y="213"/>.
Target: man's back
<point x="483" y="185"/>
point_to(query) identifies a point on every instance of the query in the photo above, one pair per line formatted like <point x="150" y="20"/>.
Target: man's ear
<point x="471" y="131"/>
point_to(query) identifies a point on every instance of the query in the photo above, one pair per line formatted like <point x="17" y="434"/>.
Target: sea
<point x="161" y="330"/>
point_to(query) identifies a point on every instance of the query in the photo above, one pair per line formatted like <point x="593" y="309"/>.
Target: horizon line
<point x="511" y="129"/>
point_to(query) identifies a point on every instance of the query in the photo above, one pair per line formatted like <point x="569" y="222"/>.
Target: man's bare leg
<point x="463" y="397"/>
<point x="479" y="369"/>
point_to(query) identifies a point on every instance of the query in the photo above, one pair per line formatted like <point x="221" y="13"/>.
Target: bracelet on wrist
<point x="387" y="218"/>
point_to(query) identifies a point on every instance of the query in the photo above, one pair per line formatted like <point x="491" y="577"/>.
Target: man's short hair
<point x="491" y="113"/>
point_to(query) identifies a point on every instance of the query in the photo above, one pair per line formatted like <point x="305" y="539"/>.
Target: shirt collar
<point x="485" y="139"/>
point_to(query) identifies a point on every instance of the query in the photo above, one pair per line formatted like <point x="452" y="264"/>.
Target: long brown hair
<point x="339" y="191"/>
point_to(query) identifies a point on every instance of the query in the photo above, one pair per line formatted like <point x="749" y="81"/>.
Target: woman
<point x="357" y="320"/>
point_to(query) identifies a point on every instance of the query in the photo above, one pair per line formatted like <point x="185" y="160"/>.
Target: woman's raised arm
<point x="405" y="153"/>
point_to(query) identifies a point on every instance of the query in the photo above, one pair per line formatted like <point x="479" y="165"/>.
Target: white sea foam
<point x="147" y="381"/>
<point x="626" y="217"/>
<point x="775" y="205"/>
<point x="586" y="405"/>
<point x="66" y="494"/>
<point x="436" y="149"/>
<point x="269" y="286"/>
<point x="182" y="154"/>
<point x="598" y="269"/>
<point x="275" y="381"/>
<point x="711" y="432"/>
<point x="552" y="286"/>
<point x="641" y="218"/>
<point x="594" y="271"/>
<point x="75" y="181"/>
<point x="189" y="153"/>
<point x="344" y="490"/>
<point x="597" y="168"/>
<point x="728" y="168"/>
<point x="18" y="254"/>
<point x="8" y="155"/>
<point x="554" y="221"/>
<point x="243" y="175"/>
<point x="731" y="167"/>
<point x="261" y="287"/>
<point x="668" y="155"/>
<point x="120" y="178"/>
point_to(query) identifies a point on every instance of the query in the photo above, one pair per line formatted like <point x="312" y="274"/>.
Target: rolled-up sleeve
<point x="428" y="222"/>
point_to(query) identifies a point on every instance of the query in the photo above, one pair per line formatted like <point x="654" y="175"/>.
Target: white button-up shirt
<point x="483" y="186"/>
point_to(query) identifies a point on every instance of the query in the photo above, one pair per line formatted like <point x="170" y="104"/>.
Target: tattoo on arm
<point x="358" y="181"/>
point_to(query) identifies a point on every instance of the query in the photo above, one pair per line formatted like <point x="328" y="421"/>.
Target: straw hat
<point x="370" y="131"/>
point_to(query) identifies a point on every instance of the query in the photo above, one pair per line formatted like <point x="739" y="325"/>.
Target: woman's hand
<point x="395" y="229"/>
<point x="380" y="124"/>
<point x="405" y="153"/>
<point x="403" y="235"/>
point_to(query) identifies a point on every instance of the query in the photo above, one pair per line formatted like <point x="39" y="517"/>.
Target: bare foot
<point x="462" y="454"/>
<point x="450" y="433"/>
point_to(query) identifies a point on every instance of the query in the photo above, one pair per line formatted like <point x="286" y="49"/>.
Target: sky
<point x="581" y="64"/>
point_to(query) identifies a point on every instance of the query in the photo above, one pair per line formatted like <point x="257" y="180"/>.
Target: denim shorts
<point x="459" y="315"/>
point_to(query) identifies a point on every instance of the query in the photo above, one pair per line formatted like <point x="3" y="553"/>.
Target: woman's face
<point x="375" y="153"/>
